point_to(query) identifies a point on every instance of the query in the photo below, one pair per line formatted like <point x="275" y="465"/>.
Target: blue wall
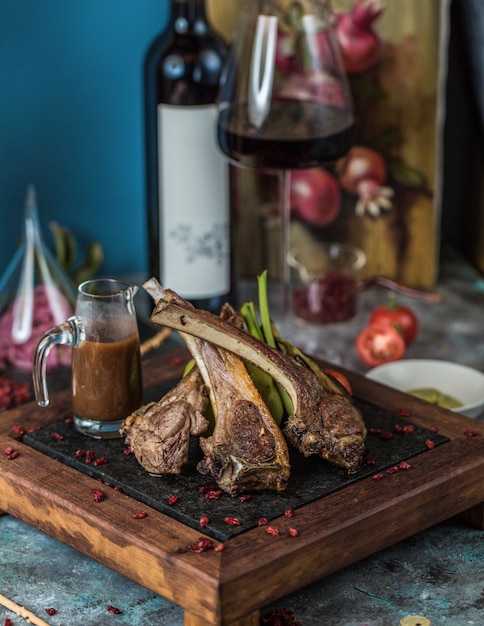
<point x="71" y="120"/>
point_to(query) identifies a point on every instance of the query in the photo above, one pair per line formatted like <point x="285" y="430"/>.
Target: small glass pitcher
<point x="106" y="361"/>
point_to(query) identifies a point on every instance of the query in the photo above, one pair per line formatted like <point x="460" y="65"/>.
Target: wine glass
<point x="284" y="100"/>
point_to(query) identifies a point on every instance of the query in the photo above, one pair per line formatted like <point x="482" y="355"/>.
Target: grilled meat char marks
<point x="324" y="420"/>
<point x="247" y="451"/>
<point x="159" y="433"/>
<point x="330" y="429"/>
<point x="248" y="456"/>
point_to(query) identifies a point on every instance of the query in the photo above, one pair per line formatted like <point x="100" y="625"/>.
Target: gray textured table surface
<point x="437" y="574"/>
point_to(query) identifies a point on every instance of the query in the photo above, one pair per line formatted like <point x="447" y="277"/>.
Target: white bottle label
<point x="194" y="196"/>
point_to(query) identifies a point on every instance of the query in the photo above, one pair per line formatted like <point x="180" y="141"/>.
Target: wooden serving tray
<point x="228" y="588"/>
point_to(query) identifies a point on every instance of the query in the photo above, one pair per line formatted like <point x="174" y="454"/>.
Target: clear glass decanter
<point x="35" y="295"/>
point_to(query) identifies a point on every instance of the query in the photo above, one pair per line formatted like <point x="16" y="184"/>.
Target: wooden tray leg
<point x="475" y="516"/>
<point x="249" y="620"/>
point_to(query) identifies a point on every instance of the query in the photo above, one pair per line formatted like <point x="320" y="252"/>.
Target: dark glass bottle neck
<point x="188" y="12"/>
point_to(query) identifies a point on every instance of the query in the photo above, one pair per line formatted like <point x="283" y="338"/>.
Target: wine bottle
<point x="187" y="176"/>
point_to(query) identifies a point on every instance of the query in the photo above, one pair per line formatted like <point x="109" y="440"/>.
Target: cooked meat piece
<point x="159" y="432"/>
<point x="247" y="451"/>
<point x="324" y="421"/>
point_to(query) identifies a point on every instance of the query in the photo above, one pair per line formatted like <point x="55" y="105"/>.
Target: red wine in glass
<point x="284" y="104"/>
<point x="291" y="137"/>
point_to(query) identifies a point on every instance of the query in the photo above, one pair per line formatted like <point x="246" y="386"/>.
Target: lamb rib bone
<point x="247" y="450"/>
<point x="322" y="423"/>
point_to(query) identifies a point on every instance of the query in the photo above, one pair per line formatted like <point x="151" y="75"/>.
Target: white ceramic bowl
<point x="459" y="381"/>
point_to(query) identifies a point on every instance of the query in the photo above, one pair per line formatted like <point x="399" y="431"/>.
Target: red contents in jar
<point x="326" y="300"/>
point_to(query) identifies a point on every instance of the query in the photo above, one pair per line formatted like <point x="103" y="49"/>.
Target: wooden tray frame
<point x="229" y="588"/>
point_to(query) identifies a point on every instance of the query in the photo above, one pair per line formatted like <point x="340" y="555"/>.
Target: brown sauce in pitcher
<point x="106" y="379"/>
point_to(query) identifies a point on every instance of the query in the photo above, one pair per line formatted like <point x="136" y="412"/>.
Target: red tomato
<point x="379" y="344"/>
<point x="340" y="378"/>
<point x="403" y="318"/>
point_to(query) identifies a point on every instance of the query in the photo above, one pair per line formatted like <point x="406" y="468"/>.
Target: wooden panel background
<point x="403" y="243"/>
<point x="223" y="15"/>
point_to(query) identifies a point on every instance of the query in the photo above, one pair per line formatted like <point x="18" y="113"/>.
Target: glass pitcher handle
<point x="71" y="333"/>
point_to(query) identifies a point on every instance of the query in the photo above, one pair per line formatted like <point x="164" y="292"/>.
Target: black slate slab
<point x="310" y="479"/>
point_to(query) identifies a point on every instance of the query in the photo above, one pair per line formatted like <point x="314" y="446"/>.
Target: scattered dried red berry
<point x="434" y="429"/>
<point x="57" y="436"/>
<point x="114" y="609"/>
<point x="90" y="454"/>
<point x="213" y="494"/>
<point x="50" y="611"/>
<point x="18" y="430"/>
<point x="271" y="530"/>
<point x="176" y="361"/>
<point x="204" y="521"/>
<point x="263" y="521"/>
<point x="13" y="393"/>
<point x="279" y="617"/>
<point x="11" y="453"/>
<point x="404" y="430"/>
<point x="374" y="431"/>
<point x="429" y="444"/>
<point x="404" y="413"/>
<point x="378" y="476"/>
<point x="293" y="532"/>
<point x="403" y="465"/>
<point x="80" y="454"/>
<point x="220" y="547"/>
<point x="98" y="495"/>
<point x="385" y="436"/>
<point x="470" y="433"/>
<point x="203" y="544"/>
<point x="232" y="521"/>
<point x="172" y="500"/>
<point x="289" y="512"/>
<point x="139" y="514"/>
<point x="205" y="489"/>
<point x="7" y="622"/>
<point x="5" y="403"/>
<point x="127" y="450"/>
<point x="102" y="460"/>
<point x="244" y="498"/>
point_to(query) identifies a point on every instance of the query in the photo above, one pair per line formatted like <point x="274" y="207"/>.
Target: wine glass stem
<point x="285" y="205"/>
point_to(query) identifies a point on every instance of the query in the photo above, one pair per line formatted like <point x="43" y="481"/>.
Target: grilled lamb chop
<point x="159" y="432"/>
<point x="247" y="451"/>
<point x="323" y="422"/>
